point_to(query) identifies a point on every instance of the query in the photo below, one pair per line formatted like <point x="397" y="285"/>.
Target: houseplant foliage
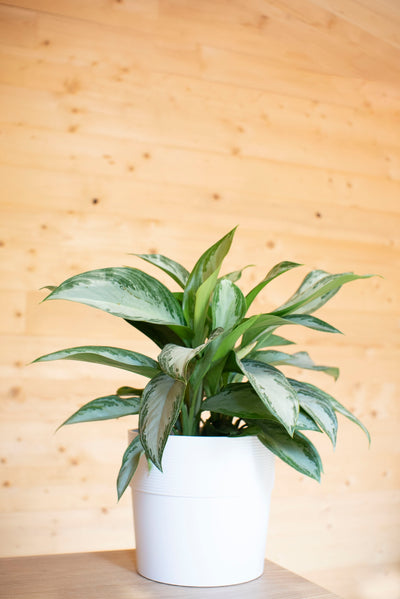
<point x="217" y="372"/>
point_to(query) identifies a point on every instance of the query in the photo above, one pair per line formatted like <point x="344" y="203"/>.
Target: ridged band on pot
<point x="203" y="520"/>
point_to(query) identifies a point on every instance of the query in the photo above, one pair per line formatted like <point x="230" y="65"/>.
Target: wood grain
<point x="156" y="126"/>
<point x="105" y="574"/>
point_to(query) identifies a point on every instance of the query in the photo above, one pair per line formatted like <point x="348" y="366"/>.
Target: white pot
<point x="203" y="521"/>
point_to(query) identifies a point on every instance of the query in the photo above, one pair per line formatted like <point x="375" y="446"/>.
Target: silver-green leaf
<point x="274" y="391"/>
<point x="161" y="402"/>
<point x="107" y="356"/>
<point x="311" y="322"/>
<point x="130" y="462"/>
<point x="299" y="359"/>
<point x="314" y="391"/>
<point x="228" y="305"/>
<point x="316" y="289"/>
<point x="298" y="452"/>
<point x="105" y="408"/>
<point x="125" y="292"/>
<point x="277" y="270"/>
<point x="319" y="408"/>
<point x="174" y="360"/>
<point x="175" y="270"/>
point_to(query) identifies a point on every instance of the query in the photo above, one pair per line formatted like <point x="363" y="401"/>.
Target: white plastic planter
<point x="203" y="521"/>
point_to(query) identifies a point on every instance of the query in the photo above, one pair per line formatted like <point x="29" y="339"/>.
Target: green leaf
<point x="125" y="292"/>
<point x="262" y="325"/>
<point x="314" y="391"/>
<point x="306" y="423"/>
<point x="160" y="334"/>
<point x="178" y="295"/>
<point x="338" y="407"/>
<point x="203" y="295"/>
<point x="318" y="407"/>
<point x="267" y="339"/>
<point x="107" y="356"/>
<point x="258" y="333"/>
<point x="271" y="340"/>
<point x="236" y="274"/>
<point x="316" y="289"/>
<point x="161" y="401"/>
<point x="237" y="399"/>
<point x="274" y="390"/>
<point x="130" y="462"/>
<point x="298" y="451"/>
<point x="311" y="322"/>
<point x="277" y="270"/>
<point x="299" y="359"/>
<point x="206" y="265"/>
<point x="241" y="401"/>
<point x="228" y="339"/>
<point x="129" y="391"/>
<point x="105" y="408"/>
<point x="178" y="272"/>
<point x="228" y="305"/>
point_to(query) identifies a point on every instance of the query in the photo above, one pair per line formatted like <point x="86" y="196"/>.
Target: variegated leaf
<point x="161" y="402"/>
<point x="299" y="359"/>
<point x="130" y="462"/>
<point x="311" y="322"/>
<point x="105" y="408"/>
<point x="277" y="270"/>
<point x="107" y="356"/>
<point x="306" y="423"/>
<point x="125" y="292"/>
<point x="316" y="289"/>
<point x="174" y="360"/>
<point x="228" y="305"/>
<point x="314" y="391"/>
<point x="175" y="270"/>
<point x="318" y="408"/>
<point x="298" y="452"/>
<point x="274" y="390"/>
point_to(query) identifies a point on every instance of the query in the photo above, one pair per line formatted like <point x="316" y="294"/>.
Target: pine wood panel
<point x="130" y="126"/>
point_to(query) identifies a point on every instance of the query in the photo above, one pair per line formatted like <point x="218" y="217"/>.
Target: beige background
<point x="157" y="125"/>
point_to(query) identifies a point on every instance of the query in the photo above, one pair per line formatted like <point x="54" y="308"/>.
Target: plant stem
<point x="195" y="409"/>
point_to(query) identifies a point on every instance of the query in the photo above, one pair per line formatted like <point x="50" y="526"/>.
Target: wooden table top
<point x="112" y="575"/>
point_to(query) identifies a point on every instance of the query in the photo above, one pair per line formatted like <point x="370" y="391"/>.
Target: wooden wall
<point x="157" y="125"/>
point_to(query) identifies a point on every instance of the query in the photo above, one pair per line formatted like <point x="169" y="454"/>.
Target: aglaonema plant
<point x="214" y="374"/>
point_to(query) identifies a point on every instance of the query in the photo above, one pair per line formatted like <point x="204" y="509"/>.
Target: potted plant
<point x="215" y="411"/>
